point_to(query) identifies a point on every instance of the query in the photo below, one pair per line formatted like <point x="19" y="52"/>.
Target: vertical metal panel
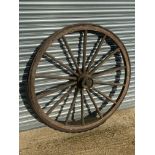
<point x="39" y="19"/>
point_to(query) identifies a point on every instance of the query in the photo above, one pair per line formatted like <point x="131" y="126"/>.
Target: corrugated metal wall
<point x="39" y="19"/>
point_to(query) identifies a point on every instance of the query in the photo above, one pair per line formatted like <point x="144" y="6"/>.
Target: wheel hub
<point x="85" y="81"/>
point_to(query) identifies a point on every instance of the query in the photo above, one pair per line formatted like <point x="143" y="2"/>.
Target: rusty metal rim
<point x="46" y="43"/>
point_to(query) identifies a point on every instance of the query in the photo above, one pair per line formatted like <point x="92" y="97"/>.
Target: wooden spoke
<point x="84" y="51"/>
<point x="87" y="105"/>
<point x="48" y="76"/>
<point x="114" y="69"/>
<point x="60" y="100"/>
<point x="96" y="52"/>
<point x="97" y="109"/>
<point x="107" y="83"/>
<point x="70" y="52"/>
<point x="59" y="62"/>
<point x="82" y="101"/>
<point x="107" y="97"/>
<point x="49" y="91"/>
<point x="110" y="54"/>
<point x="72" y="105"/>
<point x="62" y="106"/>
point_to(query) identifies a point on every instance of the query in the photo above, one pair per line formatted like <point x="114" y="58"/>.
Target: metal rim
<point x="81" y="79"/>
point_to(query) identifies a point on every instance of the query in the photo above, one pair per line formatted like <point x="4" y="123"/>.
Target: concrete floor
<point x="114" y="137"/>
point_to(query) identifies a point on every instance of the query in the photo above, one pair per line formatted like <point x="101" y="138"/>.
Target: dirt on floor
<point x="114" y="137"/>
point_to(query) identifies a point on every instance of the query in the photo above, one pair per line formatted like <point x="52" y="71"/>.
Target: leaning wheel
<point x="78" y="77"/>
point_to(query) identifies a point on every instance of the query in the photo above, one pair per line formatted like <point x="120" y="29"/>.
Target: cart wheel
<point x="77" y="89"/>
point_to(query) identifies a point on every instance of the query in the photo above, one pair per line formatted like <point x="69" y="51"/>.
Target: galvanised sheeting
<point x="39" y="19"/>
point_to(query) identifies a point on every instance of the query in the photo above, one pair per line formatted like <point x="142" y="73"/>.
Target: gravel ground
<point x="114" y="137"/>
